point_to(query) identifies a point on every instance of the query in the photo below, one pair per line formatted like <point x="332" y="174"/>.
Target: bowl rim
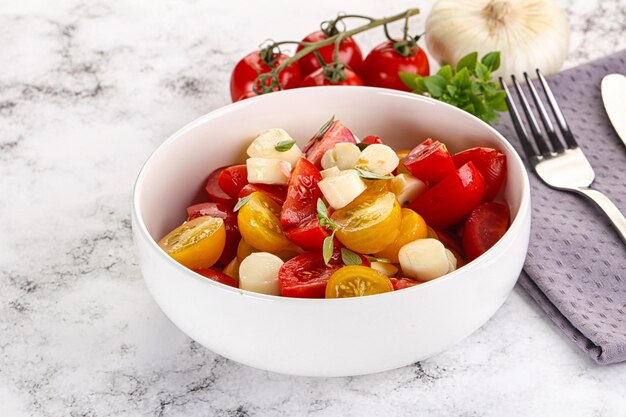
<point x="514" y="229"/>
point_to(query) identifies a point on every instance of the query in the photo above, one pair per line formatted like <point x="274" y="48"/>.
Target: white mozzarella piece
<point x="347" y="155"/>
<point x="268" y="171"/>
<point x="330" y="172"/>
<point x="341" y="189"/>
<point x="264" y="146"/>
<point x="328" y="159"/>
<point x="407" y="188"/>
<point x="385" y="268"/>
<point x="451" y="260"/>
<point x="259" y="273"/>
<point x="379" y="159"/>
<point x="424" y="259"/>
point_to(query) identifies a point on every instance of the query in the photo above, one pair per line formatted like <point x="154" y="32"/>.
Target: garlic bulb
<point x="529" y="34"/>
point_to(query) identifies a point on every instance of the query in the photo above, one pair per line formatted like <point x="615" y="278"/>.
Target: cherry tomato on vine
<point x="317" y="78"/>
<point x="349" y="53"/>
<point x="248" y="69"/>
<point x="383" y="63"/>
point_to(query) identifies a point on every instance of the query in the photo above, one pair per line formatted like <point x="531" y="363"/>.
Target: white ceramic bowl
<point x="315" y="337"/>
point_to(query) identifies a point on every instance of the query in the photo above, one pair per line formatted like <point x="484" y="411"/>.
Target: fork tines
<point x="543" y="145"/>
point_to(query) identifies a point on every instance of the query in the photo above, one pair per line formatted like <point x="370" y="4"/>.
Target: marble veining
<point x="87" y="90"/>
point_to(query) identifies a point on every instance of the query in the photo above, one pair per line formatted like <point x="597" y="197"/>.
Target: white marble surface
<point x="87" y="91"/>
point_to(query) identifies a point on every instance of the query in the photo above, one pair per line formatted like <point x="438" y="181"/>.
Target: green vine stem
<point x="336" y="39"/>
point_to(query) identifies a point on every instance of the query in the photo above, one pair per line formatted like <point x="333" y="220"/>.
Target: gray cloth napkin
<point x="576" y="264"/>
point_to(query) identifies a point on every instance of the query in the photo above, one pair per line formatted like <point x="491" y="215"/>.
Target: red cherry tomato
<point x="217" y="276"/>
<point x="450" y="238"/>
<point x="402" y="283"/>
<point x="278" y="193"/>
<point x="306" y="275"/>
<point x="490" y="162"/>
<point x="230" y="223"/>
<point x="429" y="161"/>
<point x="349" y="53"/>
<point x="383" y="63"/>
<point x="215" y="192"/>
<point x="302" y="194"/>
<point x="248" y="69"/>
<point x="317" y="78"/>
<point x="233" y="179"/>
<point x="451" y="199"/>
<point x="317" y="147"/>
<point x="372" y="139"/>
<point x="485" y="225"/>
<point x="309" y="235"/>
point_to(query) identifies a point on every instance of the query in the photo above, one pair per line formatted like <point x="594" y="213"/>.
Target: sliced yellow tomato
<point x="370" y="223"/>
<point x="357" y="281"/>
<point x="413" y="227"/>
<point x="197" y="243"/>
<point x="259" y="223"/>
<point x="401" y="155"/>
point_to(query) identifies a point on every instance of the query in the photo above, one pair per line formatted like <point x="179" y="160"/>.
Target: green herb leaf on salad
<point x="284" y="145"/>
<point x="371" y="175"/>
<point x="468" y="86"/>
<point x="375" y="259"/>
<point x="350" y="258"/>
<point x="328" y="247"/>
<point x="241" y="202"/>
<point x="322" y="216"/>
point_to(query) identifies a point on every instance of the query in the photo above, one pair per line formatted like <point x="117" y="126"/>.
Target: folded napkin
<point x="576" y="264"/>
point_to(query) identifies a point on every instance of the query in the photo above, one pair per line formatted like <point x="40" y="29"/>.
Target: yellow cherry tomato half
<point x="413" y="227"/>
<point x="370" y="223"/>
<point x="259" y="223"/>
<point x="378" y="186"/>
<point x="197" y="243"/>
<point x="401" y="155"/>
<point x="357" y="281"/>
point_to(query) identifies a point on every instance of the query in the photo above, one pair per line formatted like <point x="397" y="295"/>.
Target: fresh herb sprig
<point x="329" y="245"/>
<point x="469" y="86"/>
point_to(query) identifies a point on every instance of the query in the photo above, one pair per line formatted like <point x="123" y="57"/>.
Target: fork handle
<point x="610" y="209"/>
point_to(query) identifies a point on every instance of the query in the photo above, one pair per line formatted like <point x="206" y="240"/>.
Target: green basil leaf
<point x="492" y="60"/>
<point x="435" y="85"/>
<point x="462" y="79"/>
<point x="446" y="72"/>
<point x="350" y="258"/>
<point x="321" y="209"/>
<point x="241" y="202"/>
<point x="409" y="79"/>
<point x="498" y="101"/>
<point x="451" y="89"/>
<point x="468" y="61"/>
<point x="284" y="145"/>
<point x="372" y="176"/>
<point x="479" y="106"/>
<point x="482" y="72"/>
<point x="327" y="248"/>
<point x="325" y="127"/>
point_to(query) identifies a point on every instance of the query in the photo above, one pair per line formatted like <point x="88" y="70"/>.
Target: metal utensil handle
<point x="610" y="209"/>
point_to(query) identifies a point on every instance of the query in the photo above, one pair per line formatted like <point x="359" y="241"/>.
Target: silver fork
<point x="564" y="167"/>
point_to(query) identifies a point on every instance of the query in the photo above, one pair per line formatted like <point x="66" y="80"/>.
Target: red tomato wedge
<point x="233" y="179"/>
<point x="451" y="199"/>
<point x="278" y="193"/>
<point x="302" y="194"/>
<point x="306" y="275"/>
<point x="490" y="162"/>
<point x="485" y="225"/>
<point x="224" y="212"/>
<point x="450" y="238"/>
<point x="372" y="139"/>
<point x="308" y="235"/>
<point x="215" y="192"/>
<point x="217" y="276"/>
<point x="317" y="146"/>
<point x="402" y="283"/>
<point x="429" y="161"/>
